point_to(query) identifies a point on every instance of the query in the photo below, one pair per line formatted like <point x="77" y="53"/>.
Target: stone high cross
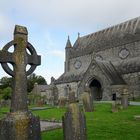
<point x="19" y="59"/>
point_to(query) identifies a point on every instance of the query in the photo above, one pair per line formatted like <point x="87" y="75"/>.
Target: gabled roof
<point x="42" y="88"/>
<point x="99" y="69"/>
<point x="108" y="68"/>
<point x="117" y="35"/>
<point x="68" y="78"/>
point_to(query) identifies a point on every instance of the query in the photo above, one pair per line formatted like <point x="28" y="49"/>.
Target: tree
<point x="5" y="82"/>
<point x="32" y="79"/>
<point x="7" y="93"/>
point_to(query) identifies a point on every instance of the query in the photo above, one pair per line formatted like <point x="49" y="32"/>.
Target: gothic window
<point x="66" y="90"/>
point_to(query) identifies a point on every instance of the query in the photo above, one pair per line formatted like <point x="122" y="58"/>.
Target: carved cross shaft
<point x="19" y="59"/>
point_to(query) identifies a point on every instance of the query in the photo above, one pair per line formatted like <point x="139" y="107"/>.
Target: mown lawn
<point x="101" y="124"/>
<point x="3" y="111"/>
<point x="104" y="125"/>
<point x="56" y="113"/>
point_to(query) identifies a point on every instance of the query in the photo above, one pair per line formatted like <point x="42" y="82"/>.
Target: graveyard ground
<point x="101" y="124"/>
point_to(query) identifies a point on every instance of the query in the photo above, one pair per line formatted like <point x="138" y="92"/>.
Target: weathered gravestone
<point x="87" y="100"/>
<point x="71" y="96"/>
<point x="124" y="98"/>
<point x="62" y="101"/>
<point x="54" y="94"/>
<point x="114" y="103"/>
<point x="19" y="124"/>
<point x="122" y="91"/>
<point x="74" y="123"/>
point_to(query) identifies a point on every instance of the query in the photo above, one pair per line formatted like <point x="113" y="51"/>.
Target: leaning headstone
<point x="87" y="102"/>
<point x="74" y="123"/>
<point x="19" y="124"/>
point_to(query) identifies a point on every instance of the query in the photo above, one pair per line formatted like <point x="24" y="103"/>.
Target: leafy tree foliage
<point x="32" y="79"/>
<point x="7" y="93"/>
<point x="5" y="88"/>
<point x="6" y="84"/>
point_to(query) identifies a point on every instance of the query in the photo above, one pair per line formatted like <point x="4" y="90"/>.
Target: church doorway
<point x="96" y="89"/>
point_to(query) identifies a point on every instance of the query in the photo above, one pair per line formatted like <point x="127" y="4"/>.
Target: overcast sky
<point x="49" y="22"/>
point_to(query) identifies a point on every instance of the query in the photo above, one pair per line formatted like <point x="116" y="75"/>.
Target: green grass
<point x="51" y="113"/>
<point x="3" y="111"/>
<point x="53" y="135"/>
<point x="104" y="125"/>
<point x="136" y="100"/>
<point x="101" y="124"/>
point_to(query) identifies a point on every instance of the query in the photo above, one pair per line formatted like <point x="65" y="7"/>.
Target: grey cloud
<point x="75" y="13"/>
<point x="69" y="15"/>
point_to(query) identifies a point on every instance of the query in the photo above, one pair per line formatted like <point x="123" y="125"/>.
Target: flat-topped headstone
<point x="19" y="124"/>
<point x="114" y="103"/>
<point x="114" y="107"/>
<point x="122" y="91"/>
<point x="124" y="98"/>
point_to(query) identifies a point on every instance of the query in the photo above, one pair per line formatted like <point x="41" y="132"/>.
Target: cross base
<point x="20" y="126"/>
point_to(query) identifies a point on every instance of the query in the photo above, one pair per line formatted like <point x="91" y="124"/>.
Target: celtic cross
<point x="19" y="59"/>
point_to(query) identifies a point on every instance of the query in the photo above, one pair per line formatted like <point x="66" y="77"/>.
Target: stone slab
<point x="47" y="126"/>
<point x="40" y="108"/>
<point x="137" y="117"/>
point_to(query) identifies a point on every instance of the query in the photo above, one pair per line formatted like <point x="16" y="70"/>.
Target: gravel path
<point x="131" y="102"/>
<point x="40" y="108"/>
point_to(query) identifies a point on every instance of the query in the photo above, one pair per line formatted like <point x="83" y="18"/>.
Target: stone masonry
<point x="102" y="59"/>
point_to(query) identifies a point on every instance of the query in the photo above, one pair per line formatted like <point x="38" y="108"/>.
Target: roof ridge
<point x="132" y="23"/>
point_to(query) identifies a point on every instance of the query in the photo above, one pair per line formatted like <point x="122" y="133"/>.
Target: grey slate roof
<point x="114" y="36"/>
<point x="117" y="35"/>
<point x="108" y="68"/>
<point x="64" y="78"/>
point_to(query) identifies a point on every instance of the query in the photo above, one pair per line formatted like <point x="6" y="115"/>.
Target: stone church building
<point x="103" y="60"/>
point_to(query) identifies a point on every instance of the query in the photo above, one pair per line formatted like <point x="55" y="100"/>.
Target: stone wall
<point x="94" y="72"/>
<point x="61" y="88"/>
<point x="133" y="81"/>
<point x="117" y="44"/>
<point x="85" y="61"/>
<point x="116" y="55"/>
